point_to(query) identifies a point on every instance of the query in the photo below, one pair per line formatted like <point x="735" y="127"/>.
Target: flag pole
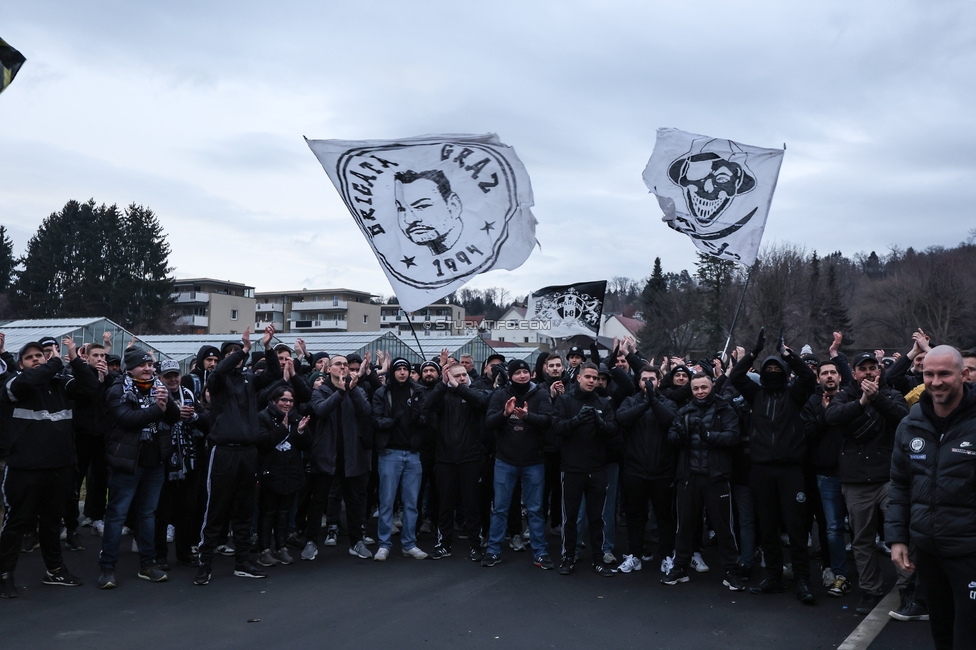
<point x="737" y="310"/>
<point x="423" y="357"/>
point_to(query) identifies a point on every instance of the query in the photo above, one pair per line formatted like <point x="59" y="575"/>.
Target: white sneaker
<point x="698" y="564"/>
<point x="126" y="530"/>
<point x="170" y="534"/>
<point x="517" y="544"/>
<point x="331" y="537"/>
<point x="98" y="527"/>
<point x="667" y="564"/>
<point x="788" y="571"/>
<point x="828" y="577"/>
<point x="368" y="541"/>
<point x="135" y="546"/>
<point x="415" y="553"/>
<point x="630" y="563"/>
<point x="64" y="534"/>
<point x="381" y="554"/>
<point x="86" y="522"/>
<point x="609" y="558"/>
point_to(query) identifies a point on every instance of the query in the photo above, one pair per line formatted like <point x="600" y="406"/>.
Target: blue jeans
<point x="609" y="512"/>
<point x="835" y="508"/>
<point x="533" y="480"/>
<point x="143" y="488"/>
<point x="399" y="469"/>
<point x="742" y="496"/>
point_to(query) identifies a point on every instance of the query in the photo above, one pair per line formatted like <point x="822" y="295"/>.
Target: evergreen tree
<point x="657" y="277"/>
<point x="7" y="261"/>
<point x="835" y="315"/>
<point x="714" y="280"/>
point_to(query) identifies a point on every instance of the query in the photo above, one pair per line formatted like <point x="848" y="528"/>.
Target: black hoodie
<point x="584" y="446"/>
<point x="196" y="379"/>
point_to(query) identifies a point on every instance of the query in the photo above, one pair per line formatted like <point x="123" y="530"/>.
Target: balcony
<point x="417" y="317"/>
<point x="319" y="305"/>
<point x="307" y="325"/>
<point x="193" y="321"/>
<point x="191" y="297"/>
<point x="269" y="306"/>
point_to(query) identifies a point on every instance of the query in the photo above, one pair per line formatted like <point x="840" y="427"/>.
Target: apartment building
<point x="208" y="306"/>
<point x="317" y="310"/>
<point x="438" y="319"/>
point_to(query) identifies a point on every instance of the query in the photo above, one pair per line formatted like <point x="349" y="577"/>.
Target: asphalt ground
<point x="339" y="601"/>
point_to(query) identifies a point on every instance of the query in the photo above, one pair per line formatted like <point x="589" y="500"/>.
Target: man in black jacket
<point x="867" y="414"/>
<point x="231" y="472"/>
<point x="933" y="498"/>
<point x="519" y="414"/>
<point x="777" y="445"/>
<point x="648" y="467"/>
<point x="705" y="431"/>
<point x="459" y="453"/>
<point x="584" y="423"/>
<point x="196" y="379"/>
<point x="41" y="456"/>
<point x="137" y="451"/>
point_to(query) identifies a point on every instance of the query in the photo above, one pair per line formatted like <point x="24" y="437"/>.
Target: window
<point x="335" y="301"/>
<point x="501" y="338"/>
<point x="365" y="319"/>
<point x="233" y="314"/>
<point x="525" y="339"/>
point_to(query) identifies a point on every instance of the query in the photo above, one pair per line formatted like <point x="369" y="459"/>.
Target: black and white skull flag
<point x="436" y="209"/>
<point x="715" y="191"/>
<point x="568" y="310"/>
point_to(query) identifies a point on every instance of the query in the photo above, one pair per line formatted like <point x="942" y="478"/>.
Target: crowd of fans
<point x="258" y="455"/>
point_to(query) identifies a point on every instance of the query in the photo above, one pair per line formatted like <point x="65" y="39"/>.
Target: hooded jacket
<point x="412" y="422"/>
<point x="233" y="399"/>
<point x="123" y="444"/>
<point x="196" y="379"/>
<point x="345" y="413"/>
<point x="868" y="432"/>
<point x="823" y="440"/>
<point x="38" y="434"/>
<point x="280" y="465"/>
<point x="705" y="433"/>
<point x="644" y="421"/>
<point x="932" y="489"/>
<point x="777" y="434"/>
<point x="456" y="414"/>
<point x="584" y="446"/>
<point x="520" y="442"/>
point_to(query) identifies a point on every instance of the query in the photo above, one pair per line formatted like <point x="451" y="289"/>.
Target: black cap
<point x="399" y="362"/>
<point x="495" y="355"/>
<point x="577" y="350"/>
<point x="28" y="345"/>
<point x="135" y="356"/>
<point x="517" y="364"/>
<point x="433" y="364"/>
<point x="226" y="345"/>
<point x="861" y="358"/>
<point x="354" y="358"/>
<point x="810" y="360"/>
<point x="48" y="341"/>
<point x="113" y="358"/>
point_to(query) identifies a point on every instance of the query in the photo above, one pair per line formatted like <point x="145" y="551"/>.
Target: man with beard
<point x="456" y="411"/>
<point x="519" y="414"/>
<point x="932" y="497"/>
<point x="777" y="445"/>
<point x="196" y="379"/>
<point x="705" y="431"/>
<point x="867" y="414"/>
<point x="552" y="493"/>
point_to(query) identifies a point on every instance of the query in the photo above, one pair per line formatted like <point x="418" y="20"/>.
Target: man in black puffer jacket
<point x="648" y="467"/>
<point x="705" y="431"/>
<point x="233" y="455"/>
<point x="585" y="424"/>
<point x="196" y="379"/>
<point x="777" y="445"/>
<point x="459" y="455"/>
<point x="867" y="414"/>
<point x="933" y="497"/>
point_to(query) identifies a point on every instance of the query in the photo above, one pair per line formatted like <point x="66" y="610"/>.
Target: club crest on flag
<point x="570" y="309"/>
<point x="715" y="191"/>
<point x="437" y="210"/>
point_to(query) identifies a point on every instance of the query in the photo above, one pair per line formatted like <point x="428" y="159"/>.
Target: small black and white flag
<point x="437" y="210"/>
<point x="570" y="309"/>
<point x="715" y="191"/>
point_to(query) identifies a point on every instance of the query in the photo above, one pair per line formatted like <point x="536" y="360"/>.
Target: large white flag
<point x="715" y="191"/>
<point x="436" y="209"/>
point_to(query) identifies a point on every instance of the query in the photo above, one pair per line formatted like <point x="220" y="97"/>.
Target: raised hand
<point x="246" y="339"/>
<point x="445" y="355"/>
<point x="268" y="334"/>
<point x="68" y="343"/>
<point x="509" y="407"/>
<point x="303" y="423"/>
<point x="366" y="366"/>
<point x="521" y="411"/>
<point x="162" y="396"/>
<point x="835" y="346"/>
<point x="760" y="342"/>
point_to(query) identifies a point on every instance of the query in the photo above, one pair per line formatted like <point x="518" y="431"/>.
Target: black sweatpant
<point x="177" y="506"/>
<point x="694" y="493"/>
<point x="353" y="493"/>
<point x="34" y="495"/>
<point x="815" y="512"/>
<point x="454" y="480"/>
<point x="230" y="499"/>
<point x="951" y="595"/>
<point x="779" y="493"/>
<point x="576" y="485"/>
<point x="552" y="491"/>
<point x="274" y="509"/>
<point x="92" y="467"/>
<point x="428" y="482"/>
<point x="637" y="493"/>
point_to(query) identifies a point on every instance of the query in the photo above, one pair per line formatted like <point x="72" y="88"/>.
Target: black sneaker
<point x="867" y="603"/>
<point x="910" y="612"/>
<point x="106" y="580"/>
<point x="189" y="560"/>
<point x="61" y="577"/>
<point x="476" y="555"/>
<point x="545" y="562"/>
<point x="603" y="570"/>
<point x="733" y="582"/>
<point x="674" y="576"/>
<point x="803" y="593"/>
<point x="566" y="567"/>
<point x="162" y="563"/>
<point x="248" y="570"/>
<point x="440" y="552"/>
<point x="203" y="576"/>
<point x="745" y="572"/>
<point x="7" y="587"/>
<point x="490" y="559"/>
<point x="153" y="573"/>
<point x="295" y="541"/>
<point x="769" y="585"/>
<point x="29" y="543"/>
<point x="73" y="541"/>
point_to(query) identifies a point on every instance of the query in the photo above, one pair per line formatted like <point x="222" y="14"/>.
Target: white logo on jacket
<point x="916" y="445"/>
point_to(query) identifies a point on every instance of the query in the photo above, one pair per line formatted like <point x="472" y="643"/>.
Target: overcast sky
<point x="197" y="110"/>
